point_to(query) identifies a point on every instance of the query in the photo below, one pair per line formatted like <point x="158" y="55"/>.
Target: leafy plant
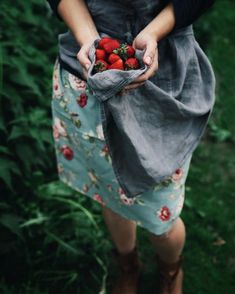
<point x="53" y="240"/>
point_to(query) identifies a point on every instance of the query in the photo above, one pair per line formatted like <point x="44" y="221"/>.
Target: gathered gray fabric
<point x="152" y="130"/>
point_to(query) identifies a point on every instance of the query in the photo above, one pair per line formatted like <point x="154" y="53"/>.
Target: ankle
<point x="129" y="261"/>
<point x="125" y="251"/>
<point x="170" y="259"/>
<point x="170" y="266"/>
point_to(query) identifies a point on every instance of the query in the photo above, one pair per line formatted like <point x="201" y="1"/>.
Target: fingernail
<point x="87" y="66"/>
<point x="148" y="60"/>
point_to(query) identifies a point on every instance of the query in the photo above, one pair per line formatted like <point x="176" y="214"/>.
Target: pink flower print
<point x="98" y="198"/>
<point x="125" y="200"/>
<point x="56" y="134"/>
<point x="76" y="83"/>
<point x="59" y="129"/>
<point x="120" y="191"/>
<point x="105" y="153"/>
<point x="82" y="100"/>
<point x="67" y="152"/>
<point x="57" y="92"/>
<point x="177" y="175"/>
<point x="164" y="213"/>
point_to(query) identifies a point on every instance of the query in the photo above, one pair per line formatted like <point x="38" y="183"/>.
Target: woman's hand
<point x="157" y="29"/>
<point x="148" y="42"/>
<point x="83" y="57"/>
<point x="78" y="19"/>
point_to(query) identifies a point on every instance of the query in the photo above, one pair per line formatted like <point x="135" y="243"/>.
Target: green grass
<point x="54" y="240"/>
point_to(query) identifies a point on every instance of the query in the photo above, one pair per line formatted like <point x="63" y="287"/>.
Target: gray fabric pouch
<point x="106" y="84"/>
<point x="152" y="130"/>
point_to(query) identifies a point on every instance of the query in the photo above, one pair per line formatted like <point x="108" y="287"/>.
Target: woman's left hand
<point x="146" y="41"/>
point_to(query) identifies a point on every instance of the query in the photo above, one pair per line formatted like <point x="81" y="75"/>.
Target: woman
<point x="84" y="162"/>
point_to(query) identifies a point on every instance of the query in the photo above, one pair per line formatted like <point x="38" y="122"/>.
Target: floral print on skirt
<point x="85" y="165"/>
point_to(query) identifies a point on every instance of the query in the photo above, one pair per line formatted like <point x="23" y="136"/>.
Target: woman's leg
<point x="122" y="230"/>
<point x="123" y="233"/>
<point x="170" y="245"/>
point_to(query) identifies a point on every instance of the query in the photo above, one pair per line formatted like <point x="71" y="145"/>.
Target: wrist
<point x="89" y="39"/>
<point x="157" y="32"/>
<point x="151" y="33"/>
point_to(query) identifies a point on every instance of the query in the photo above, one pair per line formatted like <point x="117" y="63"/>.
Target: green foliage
<point x="25" y="125"/>
<point x="215" y="32"/>
<point x="53" y="240"/>
<point x="42" y="222"/>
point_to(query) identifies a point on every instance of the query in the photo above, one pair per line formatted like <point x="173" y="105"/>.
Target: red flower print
<point x="98" y="198"/>
<point x="82" y="100"/>
<point x="120" y="191"/>
<point x="104" y="151"/>
<point x="76" y="83"/>
<point x="67" y="152"/>
<point x="59" y="129"/>
<point x="125" y="200"/>
<point x="57" y="92"/>
<point x="177" y="175"/>
<point x="164" y="214"/>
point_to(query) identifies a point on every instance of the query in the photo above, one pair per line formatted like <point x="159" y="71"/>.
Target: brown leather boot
<point x="130" y="268"/>
<point x="171" y="276"/>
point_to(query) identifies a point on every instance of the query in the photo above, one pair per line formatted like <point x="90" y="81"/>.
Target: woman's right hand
<point x="83" y="57"/>
<point x="78" y="19"/>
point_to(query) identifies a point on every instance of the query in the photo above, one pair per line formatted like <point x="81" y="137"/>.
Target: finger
<point x="85" y="73"/>
<point x="122" y="92"/>
<point x="133" y="86"/>
<point x="150" y="52"/>
<point x="82" y="56"/>
<point x="150" y="72"/>
<point x="146" y="75"/>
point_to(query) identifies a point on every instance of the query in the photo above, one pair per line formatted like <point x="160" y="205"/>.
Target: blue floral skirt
<point x="84" y="163"/>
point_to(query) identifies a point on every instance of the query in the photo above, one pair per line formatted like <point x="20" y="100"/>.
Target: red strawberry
<point x="113" y="58"/>
<point x="111" y="45"/>
<point x="130" y="50"/>
<point x="102" y="41"/>
<point x="125" y="51"/>
<point x="67" y="152"/>
<point x="100" y="54"/>
<point x="100" y="65"/>
<point x="131" y="63"/>
<point x="117" y="65"/>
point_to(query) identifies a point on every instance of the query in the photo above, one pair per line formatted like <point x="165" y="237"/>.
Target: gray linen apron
<point x="152" y="130"/>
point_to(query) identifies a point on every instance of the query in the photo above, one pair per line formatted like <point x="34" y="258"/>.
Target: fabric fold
<point x="108" y="83"/>
<point x="151" y="131"/>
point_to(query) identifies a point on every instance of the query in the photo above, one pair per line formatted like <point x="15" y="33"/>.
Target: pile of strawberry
<point x="111" y="54"/>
